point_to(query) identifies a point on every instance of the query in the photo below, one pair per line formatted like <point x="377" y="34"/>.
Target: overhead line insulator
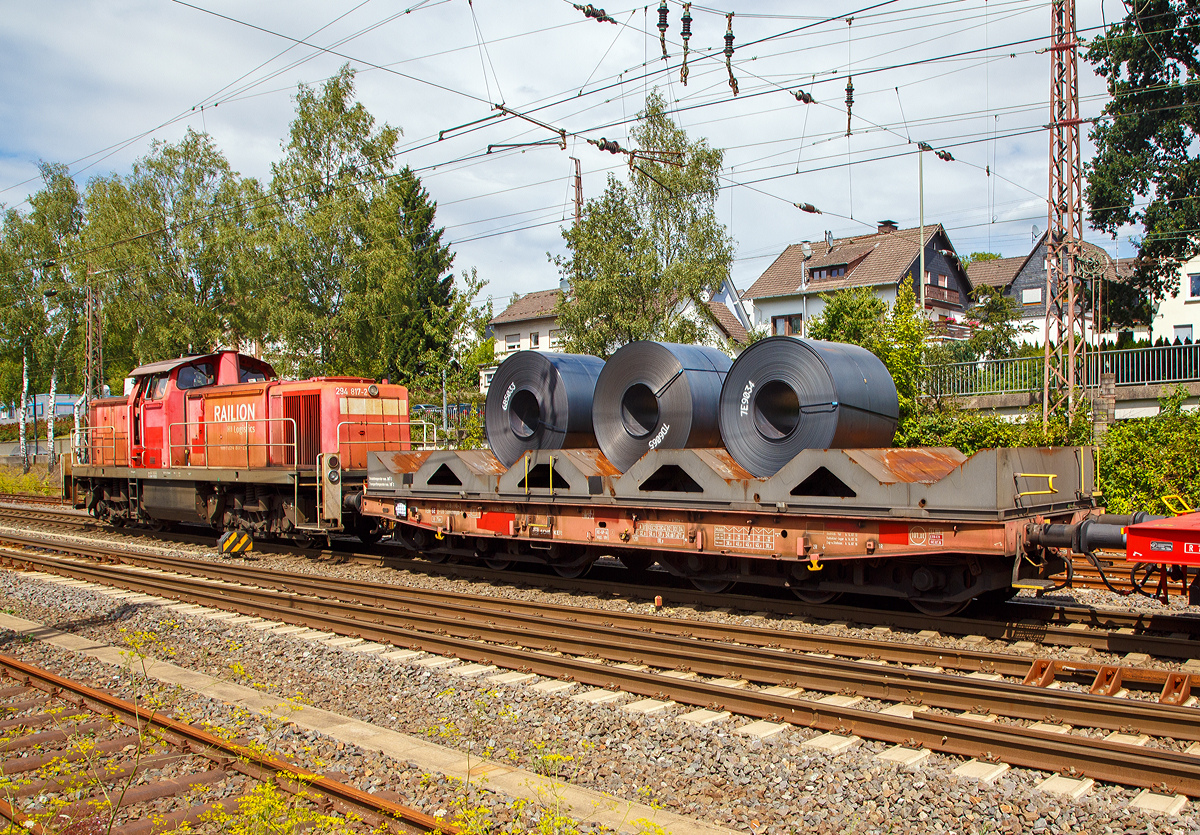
<point x="733" y="85"/>
<point x="686" y="34"/>
<point x="599" y="15"/>
<point x="662" y="27"/>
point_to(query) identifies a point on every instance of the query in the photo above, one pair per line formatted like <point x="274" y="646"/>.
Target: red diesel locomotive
<point x="219" y="438"/>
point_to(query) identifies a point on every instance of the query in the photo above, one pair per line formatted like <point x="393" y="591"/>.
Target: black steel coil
<point x="658" y="395"/>
<point x="785" y="395"/>
<point x="541" y="401"/>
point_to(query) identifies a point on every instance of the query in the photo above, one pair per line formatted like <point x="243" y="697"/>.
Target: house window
<point x="1194" y="286"/>
<point x="828" y="272"/>
<point x="487" y="378"/>
<point x="556" y="339"/>
<point x="534" y="339"/>
<point x="1183" y="333"/>
<point x="1031" y="296"/>
<point x="792" y="325"/>
<point x="943" y="281"/>
<point x="512" y="342"/>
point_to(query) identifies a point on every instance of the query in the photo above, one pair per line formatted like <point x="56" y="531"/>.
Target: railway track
<point x="77" y="759"/>
<point x="772" y="676"/>
<point x="31" y="498"/>
<point x="1158" y="633"/>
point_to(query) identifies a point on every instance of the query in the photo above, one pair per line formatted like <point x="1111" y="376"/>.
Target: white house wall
<point x="1180" y="310"/>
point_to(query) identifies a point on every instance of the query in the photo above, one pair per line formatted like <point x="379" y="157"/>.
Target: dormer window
<point x="829" y="272"/>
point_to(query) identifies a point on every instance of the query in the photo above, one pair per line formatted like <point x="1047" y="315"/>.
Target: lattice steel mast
<point x="1065" y="334"/>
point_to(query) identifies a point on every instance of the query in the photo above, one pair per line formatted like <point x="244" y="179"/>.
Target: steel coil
<point x="786" y="395"/>
<point x="658" y="395"/>
<point x="541" y="401"/>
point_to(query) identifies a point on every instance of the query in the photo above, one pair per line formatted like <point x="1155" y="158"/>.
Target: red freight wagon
<point x="218" y="438"/>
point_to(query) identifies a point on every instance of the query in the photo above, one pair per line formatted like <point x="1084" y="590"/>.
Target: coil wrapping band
<point x="541" y="401"/>
<point x="784" y="395"/>
<point x="658" y="395"/>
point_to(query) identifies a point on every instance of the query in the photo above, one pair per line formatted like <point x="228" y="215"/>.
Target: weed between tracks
<point x="548" y="813"/>
<point x="83" y="788"/>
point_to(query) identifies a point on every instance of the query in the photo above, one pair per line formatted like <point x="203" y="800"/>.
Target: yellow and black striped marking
<point x="235" y="542"/>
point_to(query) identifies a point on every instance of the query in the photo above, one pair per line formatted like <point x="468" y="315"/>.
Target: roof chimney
<point x="887" y="226"/>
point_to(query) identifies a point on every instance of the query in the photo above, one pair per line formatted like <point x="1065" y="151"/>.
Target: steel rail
<point x="1018" y="745"/>
<point x="399" y="597"/>
<point x="253" y="763"/>
<point x="1110" y="639"/>
<point x="1041" y="622"/>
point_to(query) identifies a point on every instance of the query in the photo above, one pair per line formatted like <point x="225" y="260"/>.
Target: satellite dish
<point x="829" y="239"/>
<point x="806" y="248"/>
<point x="1035" y="233"/>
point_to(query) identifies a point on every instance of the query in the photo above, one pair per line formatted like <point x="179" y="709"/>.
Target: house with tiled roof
<point x="1023" y="280"/>
<point x="787" y="296"/>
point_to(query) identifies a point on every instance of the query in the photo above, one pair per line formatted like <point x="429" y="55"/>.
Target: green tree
<point x="365" y="277"/>
<point x="178" y="255"/>
<point x="855" y="315"/>
<point x="967" y="260"/>
<point x="997" y="326"/>
<point x="39" y="300"/>
<point x="645" y="253"/>
<point x="1147" y="167"/>
<point x="904" y="333"/>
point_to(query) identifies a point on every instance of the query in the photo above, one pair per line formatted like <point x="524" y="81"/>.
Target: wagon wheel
<point x="939" y="608"/>
<point x="814" y="597"/>
<point x="711" y="586"/>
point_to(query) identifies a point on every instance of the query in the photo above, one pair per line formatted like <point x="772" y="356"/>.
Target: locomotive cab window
<point x="195" y="376"/>
<point x="156" y="387"/>
<point x="252" y="372"/>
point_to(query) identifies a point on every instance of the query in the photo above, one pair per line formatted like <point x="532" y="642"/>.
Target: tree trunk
<point x="50" y="410"/>
<point x="24" y="441"/>
<point x="53" y="407"/>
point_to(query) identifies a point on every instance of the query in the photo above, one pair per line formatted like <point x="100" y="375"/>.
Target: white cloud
<point x="81" y="77"/>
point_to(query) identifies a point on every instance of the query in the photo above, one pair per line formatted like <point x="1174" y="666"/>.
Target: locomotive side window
<point x="156" y="387"/>
<point x="195" y="376"/>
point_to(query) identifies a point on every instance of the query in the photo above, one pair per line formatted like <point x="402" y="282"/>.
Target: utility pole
<point x="93" y="374"/>
<point x="1065" y="334"/>
<point x="578" y="190"/>
<point x="921" y="199"/>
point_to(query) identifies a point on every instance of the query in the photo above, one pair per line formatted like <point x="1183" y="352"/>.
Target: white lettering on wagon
<point x="727" y="536"/>
<point x="660" y="531"/>
<point x="234" y="411"/>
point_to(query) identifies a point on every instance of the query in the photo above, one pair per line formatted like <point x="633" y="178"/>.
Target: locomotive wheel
<point x="814" y="597"/>
<point x="636" y="562"/>
<point x="497" y="563"/>
<point x="437" y="557"/>
<point x="711" y="586"/>
<point x="939" y="608"/>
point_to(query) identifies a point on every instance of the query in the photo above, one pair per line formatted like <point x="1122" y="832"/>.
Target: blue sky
<point x="92" y="83"/>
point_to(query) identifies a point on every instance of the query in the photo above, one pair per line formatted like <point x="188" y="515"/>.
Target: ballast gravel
<point x="709" y="772"/>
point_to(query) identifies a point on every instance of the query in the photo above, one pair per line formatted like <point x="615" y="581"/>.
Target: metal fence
<point x="1130" y="367"/>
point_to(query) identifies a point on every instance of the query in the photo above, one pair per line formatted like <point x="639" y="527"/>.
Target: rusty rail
<point x="255" y="764"/>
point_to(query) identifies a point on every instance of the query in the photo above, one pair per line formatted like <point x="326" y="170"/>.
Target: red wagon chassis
<point x="927" y="524"/>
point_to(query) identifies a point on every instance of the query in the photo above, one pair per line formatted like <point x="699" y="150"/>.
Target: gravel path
<point x="771" y="786"/>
